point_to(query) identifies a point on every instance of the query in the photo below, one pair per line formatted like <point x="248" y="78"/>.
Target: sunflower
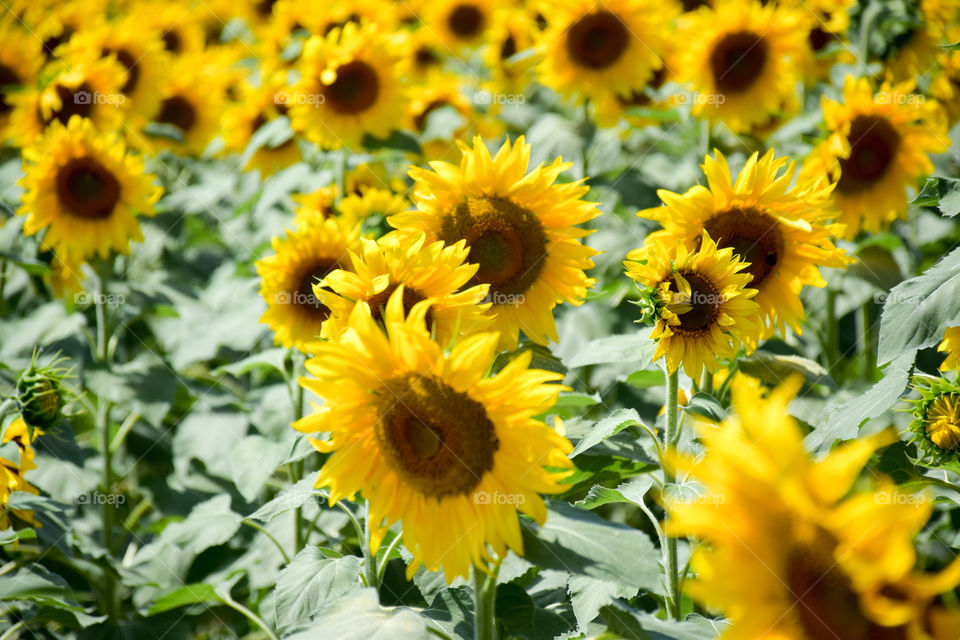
<point x="258" y="106"/>
<point x="431" y="440"/>
<point x="12" y="472"/>
<point x="20" y="62"/>
<point x="950" y="345"/>
<point x="54" y="24"/>
<point x="177" y="24"/>
<point x="919" y="49"/>
<point x="300" y="260"/>
<point x="373" y="175"/>
<point x="791" y="549"/>
<point x="936" y="419"/>
<point x="190" y="109"/>
<point x="86" y="87"/>
<point x="433" y="271"/>
<point x="86" y="191"/>
<point x="507" y="52"/>
<point x="316" y="206"/>
<point x="826" y="36"/>
<point x="743" y="61"/>
<point x="372" y="203"/>
<point x="876" y="149"/>
<point x="596" y="48"/>
<point x="459" y="24"/>
<point x="438" y="92"/>
<point x="779" y="228"/>
<point x="700" y="304"/>
<point x="423" y="55"/>
<point x="520" y="229"/>
<point x="945" y="85"/>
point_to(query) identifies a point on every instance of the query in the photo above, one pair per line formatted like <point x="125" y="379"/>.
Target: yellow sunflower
<point x="300" y="260"/>
<point x="349" y="88"/>
<point x="877" y="148"/>
<point x="779" y="228"/>
<point x="372" y="202"/>
<point x="439" y="91"/>
<point x="423" y="55"/>
<point x="520" y="229"/>
<point x="508" y="53"/>
<point x="190" y="109"/>
<point x="791" y="550"/>
<point x="86" y="191"/>
<point x="11" y="473"/>
<point x="177" y="25"/>
<point x="20" y="60"/>
<point x="596" y="48"/>
<point x="829" y="21"/>
<point x="257" y="106"/>
<point x="432" y="441"/>
<point x="919" y="51"/>
<point x="951" y="346"/>
<point x="700" y="303"/>
<point x="945" y="86"/>
<point x="433" y="271"/>
<point x="459" y="23"/>
<point x="316" y="206"/>
<point x="743" y="61"/>
<point x="55" y="24"/>
<point x="936" y="419"/>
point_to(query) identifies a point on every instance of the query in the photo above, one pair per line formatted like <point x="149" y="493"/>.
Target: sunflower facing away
<point x="877" y="148"/>
<point x="301" y="259"/>
<point x="11" y="473"/>
<point x="86" y="191"/>
<point x="520" y="229"/>
<point x="743" y="61"/>
<point x="778" y="227"/>
<point x="700" y="304"/>
<point x="950" y="346"/>
<point x="428" y="438"/>
<point x="594" y="48"/>
<point x="789" y="549"/>
<point x="432" y="271"/>
<point x="348" y="88"/>
<point x="936" y="419"/>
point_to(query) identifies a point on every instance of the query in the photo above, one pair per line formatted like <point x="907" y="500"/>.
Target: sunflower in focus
<point x="433" y="271"/>
<point x="791" y="549"/>
<point x="700" y="304"/>
<point x="12" y="473"/>
<point x="20" y="62"/>
<point x="594" y="48"/>
<point x="302" y="259"/>
<point x="743" y="61"/>
<point x="936" y="419"/>
<point x="878" y="146"/>
<point x="86" y="191"/>
<point x="950" y="346"/>
<point x="426" y="436"/>
<point x="190" y="110"/>
<point x="520" y="229"/>
<point x="258" y="106"/>
<point x="459" y="23"/>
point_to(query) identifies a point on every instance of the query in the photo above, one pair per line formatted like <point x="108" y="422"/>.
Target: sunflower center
<point x="179" y="112"/>
<point x="73" y="102"/>
<point x="438" y="439"/>
<point x="692" y="5"/>
<point x="355" y="90"/>
<point x="8" y="80"/>
<point x="873" y="146"/>
<point x="597" y="40"/>
<point x="420" y="120"/>
<point x="704" y="301"/>
<point x="738" y="60"/>
<point x="819" y="38"/>
<point x="943" y="422"/>
<point x="508" y="48"/>
<point x="305" y="298"/>
<point x="378" y="303"/>
<point x="172" y="41"/>
<point x="425" y="57"/>
<point x="754" y="236"/>
<point x="87" y="189"/>
<point x="129" y="63"/>
<point x="465" y="21"/>
<point x="51" y="43"/>
<point x="507" y="241"/>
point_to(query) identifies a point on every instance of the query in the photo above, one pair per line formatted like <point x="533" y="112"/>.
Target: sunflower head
<point x="12" y="472"/>
<point x="41" y="393"/>
<point x="936" y="419"/>
<point x="950" y="346"/>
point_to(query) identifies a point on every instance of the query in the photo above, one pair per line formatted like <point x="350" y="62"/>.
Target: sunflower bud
<point x="40" y="393"/>
<point x="936" y="423"/>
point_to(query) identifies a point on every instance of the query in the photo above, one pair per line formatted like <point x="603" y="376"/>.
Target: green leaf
<point x="706" y="406"/>
<point x="637" y="348"/>
<point x="442" y="123"/>
<point x="358" y="616"/>
<point x="645" y="379"/>
<point x="775" y="368"/>
<point x="918" y="310"/>
<point x="311" y="582"/>
<point x="940" y="192"/>
<point x="252" y="461"/>
<point x="612" y="424"/>
<point x="452" y="610"/>
<point x="196" y="593"/>
<point x="630" y="623"/>
<point x="270" y="359"/>
<point x="270" y="135"/>
<point x="631" y="491"/>
<point x="288" y="499"/>
<point x="398" y="140"/>
<point x="209" y="524"/>
<point x="516" y="610"/>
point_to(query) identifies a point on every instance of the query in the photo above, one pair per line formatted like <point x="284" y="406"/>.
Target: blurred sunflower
<point x="919" y="50"/>
<point x="258" y="106"/>
<point x="742" y="61"/>
<point x="945" y="85"/>
<point x="349" y="88"/>
<point x="509" y="52"/>
<point x="951" y="346"/>
<point x="459" y="23"/>
<point x="422" y="55"/>
<point x="86" y="191"/>
<point x="177" y="26"/>
<point x="20" y="61"/>
<point x="425" y="435"/>
<point x="780" y="229"/>
<point x="520" y="229"/>
<point x="373" y="175"/>
<point x="301" y="259"/>
<point x="436" y="93"/>
<point x="791" y="549"/>
<point x="433" y="271"/>
<point x="372" y="203"/>
<point x="828" y="23"/>
<point x="190" y="110"/>
<point x="876" y="149"/>
<point x="316" y="206"/>
<point x="699" y="303"/>
<point x="12" y="473"/>
<point x="594" y="48"/>
<point x="55" y="23"/>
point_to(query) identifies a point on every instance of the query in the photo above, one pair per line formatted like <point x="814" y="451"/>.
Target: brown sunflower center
<point x="738" y="60"/>
<point x="355" y="90"/>
<point x="264" y="8"/>
<point x="465" y="21"/>
<point x="693" y="5"/>
<point x="304" y="297"/>
<point x="507" y="241"/>
<point x="420" y="120"/>
<point x="425" y="57"/>
<point x="754" y="236"/>
<point x="873" y="147"/>
<point x="439" y="439"/>
<point x="87" y="189"/>
<point x="378" y="303"/>
<point x="51" y="43"/>
<point x="943" y="422"/>
<point x="597" y="40"/>
<point x="819" y="38"/>
<point x="704" y="301"/>
<point x="73" y="102"/>
<point x="172" y="41"/>
<point x="508" y="48"/>
<point x="179" y="112"/>
<point x="129" y="62"/>
<point x="8" y="80"/>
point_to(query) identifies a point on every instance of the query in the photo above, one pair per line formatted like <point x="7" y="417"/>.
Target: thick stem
<point x="485" y="598"/>
<point x="103" y="428"/>
<point x="670" y="563"/>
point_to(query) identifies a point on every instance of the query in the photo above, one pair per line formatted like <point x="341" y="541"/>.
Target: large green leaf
<point x="517" y="611"/>
<point x="359" y="616"/>
<point x="312" y="582"/>
<point x="635" y="348"/>
<point x="611" y="425"/>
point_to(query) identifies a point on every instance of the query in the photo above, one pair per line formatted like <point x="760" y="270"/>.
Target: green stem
<point x="295" y="468"/>
<point x="386" y="558"/>
<point x="832" y="347"/>
<point x="670" y="435"/>
<point x="99" y="303"/>
<point x="706" y="383"/>
<point x="257" y="620"/>
<point x="103" y="428"/>
<point x="340" y="173"/>
<point x="254" y="525"/>
<point x="369" y="559"/>
<point x="485" y="593"/>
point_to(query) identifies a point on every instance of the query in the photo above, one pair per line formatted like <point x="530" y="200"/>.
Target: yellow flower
<point x="191" y="105"/>
<point x="778" y="227"/>
<point x="348" y="88"/>
<point x="428" y="438"/>
<point x="86" y="191"/>
<point x="512" y="33"/>
<point x="177" y="25"/>
<point x="877" y="148"/>
<point x="520" y="229"/>
<point x="951" y="346"/>
<point x="316" y="206"/>
<point x="790" y="549"/>
<point x="936" y="419"/>
<point x="20" y="60"/>
<point x="372" y="202"/>
<point x="439" y="91"/>
<point x="423" y="54"/>
<point x="701" y="305"/>
<point x="828" y="23"/>
<point x="258" y="106"/>
<point x="919" y="50"/>
<point x="459" y="23"/>
<point x="433" y="271"/>
<point x="742" y="60"/>
<point x="300" y="260"/>
<point x="595" y="48"/>
<point x="11" y="473"/>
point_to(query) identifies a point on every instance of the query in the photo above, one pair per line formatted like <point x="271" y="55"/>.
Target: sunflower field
<point x="480" y="319"/>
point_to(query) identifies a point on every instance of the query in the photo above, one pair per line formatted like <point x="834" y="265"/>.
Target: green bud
<point x="40" y="393"/>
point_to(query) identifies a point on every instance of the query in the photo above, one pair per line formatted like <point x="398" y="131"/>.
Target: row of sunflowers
<point x="482" y="319"/>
